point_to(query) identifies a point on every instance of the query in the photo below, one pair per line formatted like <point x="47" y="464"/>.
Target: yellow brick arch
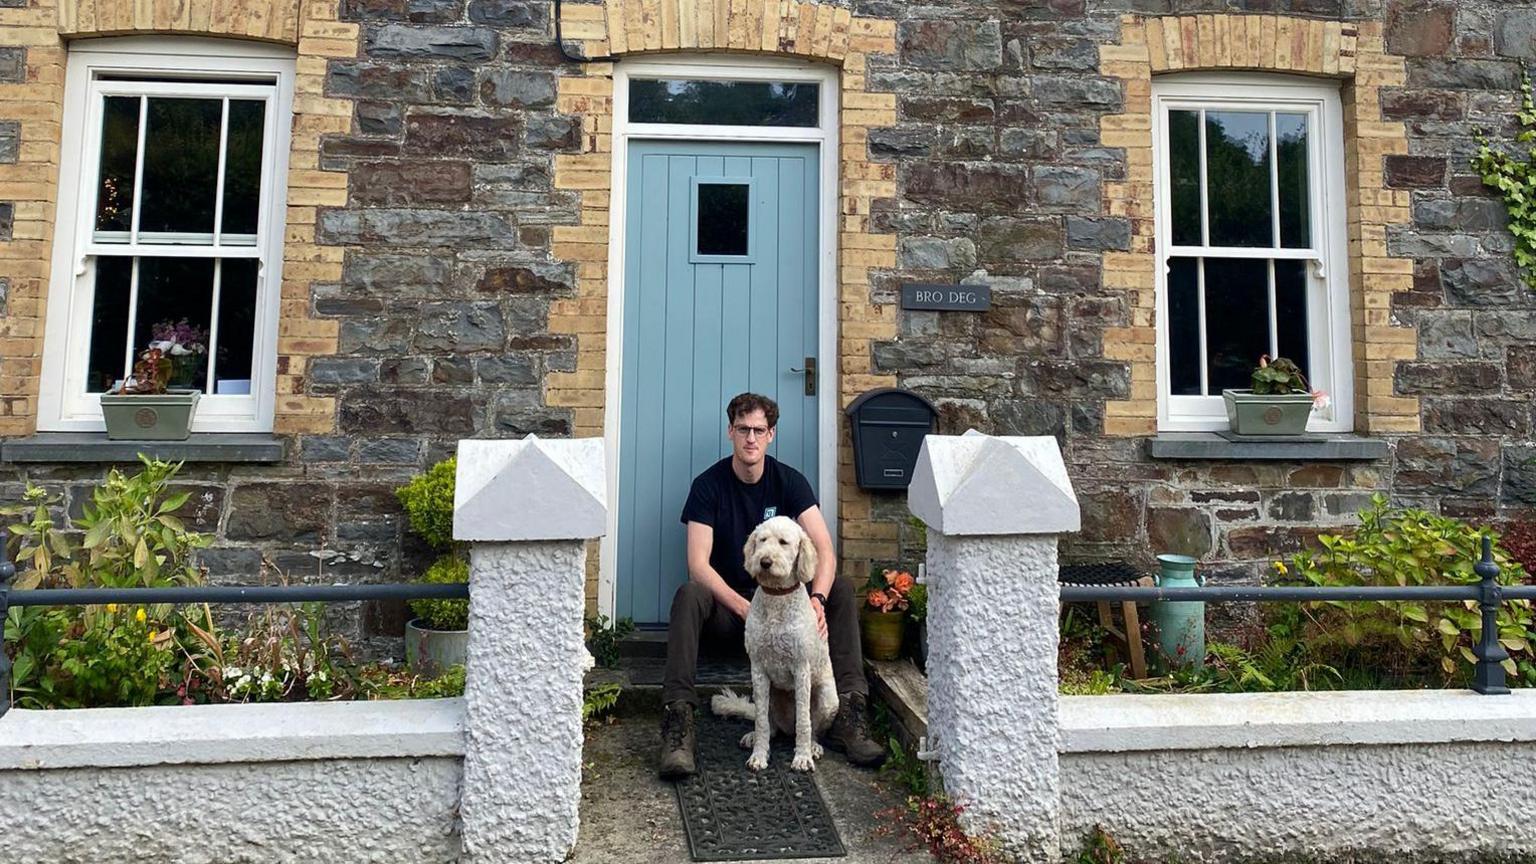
<point x="245" y="19"/>
<point x="785" y="27"/>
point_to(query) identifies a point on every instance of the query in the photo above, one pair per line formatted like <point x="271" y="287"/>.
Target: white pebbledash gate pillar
<point x="994" y="507"/>
<point x="528" y="508"/>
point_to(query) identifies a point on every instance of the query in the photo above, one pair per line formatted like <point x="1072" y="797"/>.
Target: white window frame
<point x="63" y="403"/>
<point x="1329" y="327"/>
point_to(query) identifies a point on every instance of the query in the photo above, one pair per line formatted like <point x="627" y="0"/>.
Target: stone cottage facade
<point x="443" y="243"/>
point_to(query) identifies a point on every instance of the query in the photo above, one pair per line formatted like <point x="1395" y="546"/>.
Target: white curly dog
<point x="792" y="685"/>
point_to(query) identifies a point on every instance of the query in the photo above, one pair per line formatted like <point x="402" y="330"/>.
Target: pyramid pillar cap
<point x="983" y="484"/>
<point x="532" y="489"/>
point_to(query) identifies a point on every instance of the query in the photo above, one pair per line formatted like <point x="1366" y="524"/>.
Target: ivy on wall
<point x="1515" y="178"/>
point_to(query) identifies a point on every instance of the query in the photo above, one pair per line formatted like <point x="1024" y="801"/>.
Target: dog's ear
<point x="805" y="559"/>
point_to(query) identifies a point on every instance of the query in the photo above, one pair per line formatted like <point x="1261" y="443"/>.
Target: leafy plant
<point x="1515" y="178"/>
<point x="428" y="503"/>
<point x="1410" y="640"/>
<point x="444" y="614"/>
<point x="917" y="603"/>
<point x="285" y="654"/>
<point x="74" y="656"/>
<point x="905" y="768"/>
<point x="1100" y="848"/>
<point x="604" y="636"/>
<point x="599" y="700"/>
<point x="932" y="822"/>
<point x="379" y="681"/>
<point x="1278" y="377"/>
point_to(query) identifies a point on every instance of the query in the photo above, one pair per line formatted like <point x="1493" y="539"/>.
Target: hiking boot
<point x="850" y="732"/>
<point x="677" y="741"/>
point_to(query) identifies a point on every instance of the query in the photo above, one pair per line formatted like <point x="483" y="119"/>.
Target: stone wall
<point x="445" y="273"/>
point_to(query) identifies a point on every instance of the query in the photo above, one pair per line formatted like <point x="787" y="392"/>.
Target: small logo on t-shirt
<point x="769" y="513"/>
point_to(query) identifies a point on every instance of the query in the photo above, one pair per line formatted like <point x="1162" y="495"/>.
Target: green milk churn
<point x="1180" y="623"/>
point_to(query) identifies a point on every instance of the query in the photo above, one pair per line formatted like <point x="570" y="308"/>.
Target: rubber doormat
<point x="733" y="814"/>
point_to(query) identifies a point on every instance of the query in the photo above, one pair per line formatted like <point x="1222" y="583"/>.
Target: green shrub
<point x="428" y="503"/>
<point x="383" y="682"/>
<point x="917" y="602"/>
<point x="603" y="637"/>
<point x="127" y="536"/>
<point x="444" y="614"/>
<point x="1408" y="641"/>
<point x="1514" y="175"/>
<point x="599" y="700"/>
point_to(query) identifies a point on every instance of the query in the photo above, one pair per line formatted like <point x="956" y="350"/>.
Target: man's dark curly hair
<point x="746" y="403"/>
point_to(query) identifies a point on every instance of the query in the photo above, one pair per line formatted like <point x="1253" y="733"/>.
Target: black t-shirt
<point x="720" y="500"/>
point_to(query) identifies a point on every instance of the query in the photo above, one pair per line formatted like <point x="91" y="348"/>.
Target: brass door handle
<point x="809" y="371"/>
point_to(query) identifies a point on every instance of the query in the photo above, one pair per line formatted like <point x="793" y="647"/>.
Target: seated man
<point x="726" y="502"/>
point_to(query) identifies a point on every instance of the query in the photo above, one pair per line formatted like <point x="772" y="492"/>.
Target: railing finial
<point x="1489" y="677"/>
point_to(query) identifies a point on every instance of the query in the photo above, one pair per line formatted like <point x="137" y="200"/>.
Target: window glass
<point x="181" y="165"/>
<point x="1237" y="178"/>
<point x="119" y="147"/>
<point x="108" y="350"/>
<point x="242" y="166"/>
<point x="1184" y="174"/>
<point x="232" y="358"/>
<point x="1184" y="326"/>
<point x="1295" y="182"/>
<point x="724" y="103"/>
<point x="1292" y="311"/>
<point x="1237" y="320"/>
<point x="723" y="218"/>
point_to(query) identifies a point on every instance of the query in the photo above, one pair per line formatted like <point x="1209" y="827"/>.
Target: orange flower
<point x="902" y="582"/>
<point x="878" y="599"/>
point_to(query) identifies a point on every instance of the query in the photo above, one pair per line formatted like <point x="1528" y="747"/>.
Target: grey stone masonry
<point x="1000" y="174"/>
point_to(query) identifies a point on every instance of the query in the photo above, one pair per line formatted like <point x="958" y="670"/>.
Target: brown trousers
<point x="696" y="617"/>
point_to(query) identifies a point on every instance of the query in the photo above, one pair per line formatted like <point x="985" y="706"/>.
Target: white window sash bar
<point x="129" y="349"/>
<point x="1205" y="361"/>
<point x="213" y="326"/>
<point x="1274" y="184"/>
<point x="1274" y="313"/>
<point x="184" y="89"/>
<point x="218" y="192"/>
<point x="168" y="250"/>
<point x="138" y="170"/>
<point x="1251" y="252"/>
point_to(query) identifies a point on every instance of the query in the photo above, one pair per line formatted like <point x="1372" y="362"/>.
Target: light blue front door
<point x="720" y="297"/>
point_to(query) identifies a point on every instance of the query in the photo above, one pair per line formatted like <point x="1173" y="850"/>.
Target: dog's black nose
<point x="767" y="562"/>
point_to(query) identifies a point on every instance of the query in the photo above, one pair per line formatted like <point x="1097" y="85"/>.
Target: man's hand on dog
<point x="821" y="617"/>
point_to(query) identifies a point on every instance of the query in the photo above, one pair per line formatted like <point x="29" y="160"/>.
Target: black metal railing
<point x="202" y="594"/>
<point x="1488" y="678"/>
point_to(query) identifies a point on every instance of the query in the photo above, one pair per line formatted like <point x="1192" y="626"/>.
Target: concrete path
<point x="630" y="816"/>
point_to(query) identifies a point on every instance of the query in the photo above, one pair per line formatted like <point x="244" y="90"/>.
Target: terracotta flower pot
<point x="882" y="633"/>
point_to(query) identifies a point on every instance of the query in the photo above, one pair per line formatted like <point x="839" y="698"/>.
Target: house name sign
<point x="946" y="298"/>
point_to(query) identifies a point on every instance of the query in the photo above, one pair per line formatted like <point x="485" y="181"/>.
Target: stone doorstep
<point x="630" y="815"/>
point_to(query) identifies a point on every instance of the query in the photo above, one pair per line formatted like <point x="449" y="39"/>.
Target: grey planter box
<point x="144" y="417"/>
<point x="1252" y="414"/>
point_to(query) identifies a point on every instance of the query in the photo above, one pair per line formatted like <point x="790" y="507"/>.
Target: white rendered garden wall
<point x="220" y="784"/>
<point x="1393" y="776"/>
<point x="1399" y="776"/>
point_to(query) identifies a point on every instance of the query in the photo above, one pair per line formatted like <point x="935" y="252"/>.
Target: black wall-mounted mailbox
<point x="888" y="427"/>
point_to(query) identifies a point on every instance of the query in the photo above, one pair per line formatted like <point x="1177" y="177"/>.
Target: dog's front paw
<point x="757" y="761"/>
<point x="805" y="760"/>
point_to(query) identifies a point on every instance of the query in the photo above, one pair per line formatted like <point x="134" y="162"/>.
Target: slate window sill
<point x="1313" y="448"/>
<point x="94" y="447"/>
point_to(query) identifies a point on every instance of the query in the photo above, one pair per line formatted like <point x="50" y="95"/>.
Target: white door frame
<point x="825" y="135"/>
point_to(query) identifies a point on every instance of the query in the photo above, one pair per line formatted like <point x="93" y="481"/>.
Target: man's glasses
<point x="750" y="432"/>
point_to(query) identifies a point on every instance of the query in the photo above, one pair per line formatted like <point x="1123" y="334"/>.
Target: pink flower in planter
<point x="1321" y="400"/>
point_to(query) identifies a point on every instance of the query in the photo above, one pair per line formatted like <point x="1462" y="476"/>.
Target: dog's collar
<point x="779" y="592"/>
